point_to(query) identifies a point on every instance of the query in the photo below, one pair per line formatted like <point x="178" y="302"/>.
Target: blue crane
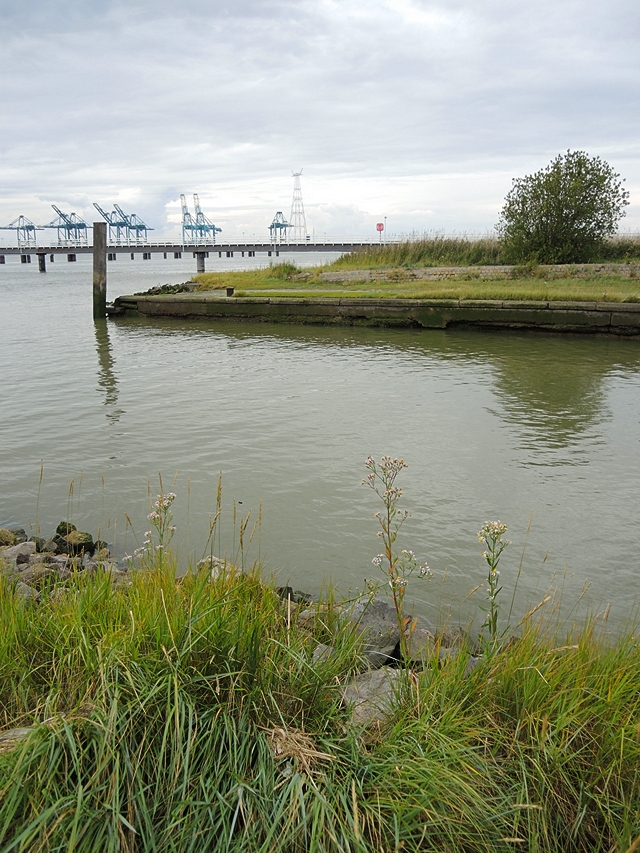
<point x="198" y="230"/>
<point x="278" y="228"/>
<point x="204" y="226"/>
<point x="123" y="225"/>
<point x="25" y="231"/>
<point x="72" y="231"/>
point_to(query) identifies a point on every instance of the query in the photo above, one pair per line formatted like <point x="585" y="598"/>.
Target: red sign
<point x="380" y="226"/>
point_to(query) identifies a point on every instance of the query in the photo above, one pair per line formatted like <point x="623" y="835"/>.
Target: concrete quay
<point x="618" y="318"/>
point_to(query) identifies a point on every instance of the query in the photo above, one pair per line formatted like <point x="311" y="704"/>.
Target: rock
<point x="377" y="624"/>
<point x="472" y="663"/>
<point x="60" y="545"/>
<point x="37" y="572"/>
<point x="101" y="545"/>
<point x="6" y="537"/>
<point x="80" y="543"/>
<point x="23" y="559"/>
<point x="420" y="645"/>
<point x="26" y="592"/>
<point x="321" y="653"/>
<point x="101" y="554"/>
<point x="65" y="528"/>
<point x="216" y="565"/>
<point x="19" y="534"/>
<point x="10" y="738"/>
<point x="10" y="555"/>
<point x="296" y="596"/>
<point x="50" y="546"/>
<point x="456" y="638"/>
<point x="40" y="543"/>
<point x="372" y="694"/>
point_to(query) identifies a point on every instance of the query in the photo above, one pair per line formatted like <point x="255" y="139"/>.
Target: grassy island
<point x="189" y="715"/>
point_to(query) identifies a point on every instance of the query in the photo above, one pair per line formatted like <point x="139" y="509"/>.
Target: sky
<point x="418" y="111"/>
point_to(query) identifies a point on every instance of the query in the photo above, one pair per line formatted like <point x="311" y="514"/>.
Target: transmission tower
<point x="297" y="220"/>
<point x="278" y="228"/>
<point x="72" y="231"/>
<point x="25" y="231"/>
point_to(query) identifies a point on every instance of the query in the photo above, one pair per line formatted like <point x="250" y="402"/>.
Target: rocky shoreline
<point x="39" y="566"/>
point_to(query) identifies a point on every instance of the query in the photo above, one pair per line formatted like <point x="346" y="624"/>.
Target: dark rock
<point x="65" y="528"/>
<point x="22" y="559"/>
<point x="19" y="534"/>
<point x="6" y="537"/>
<point x="80" y="543"/>
<point x="376" y="622"/>
<point x="59" y="544"/>
<point x="296" y="596"/>
<point x="101" y="545"/>
<point x="40" y="543"/>
<point x="372" y="695"/>
<point x="456" y="638"/>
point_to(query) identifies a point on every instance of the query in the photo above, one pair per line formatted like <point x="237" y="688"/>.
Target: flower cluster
<point x="491" y="535"/>
<point x="160" y="517"/>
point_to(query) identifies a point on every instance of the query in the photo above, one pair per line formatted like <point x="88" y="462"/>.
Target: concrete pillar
<point x="51" y="257"/>
<point x="1" y="259"/>
<point x="99" y="270"/>
<point x="42" y="262"/>
<point x="200" y="262"/>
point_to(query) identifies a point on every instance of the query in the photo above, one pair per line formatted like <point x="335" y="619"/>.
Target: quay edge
<point x="618" y="318"/>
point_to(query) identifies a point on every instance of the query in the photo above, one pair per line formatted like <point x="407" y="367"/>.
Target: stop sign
<point x="380" y="226"/>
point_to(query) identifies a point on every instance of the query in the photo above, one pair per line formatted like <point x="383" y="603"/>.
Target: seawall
<point x="619" y="318"/>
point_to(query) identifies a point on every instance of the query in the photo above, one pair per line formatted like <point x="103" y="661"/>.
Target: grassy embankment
<point x="404" y="262"/>
<point x="189" y="717"/>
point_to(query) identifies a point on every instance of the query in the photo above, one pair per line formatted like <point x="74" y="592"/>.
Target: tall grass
<point x="188" y="716"/>
<point x="464" y="251"/>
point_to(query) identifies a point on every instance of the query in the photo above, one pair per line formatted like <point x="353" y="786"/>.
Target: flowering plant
<point x="153" y="552"/>
<point x="396" y="567"/>
<point x="491" y="535"/>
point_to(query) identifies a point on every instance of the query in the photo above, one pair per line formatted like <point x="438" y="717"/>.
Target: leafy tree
<point x="563" y="213"/>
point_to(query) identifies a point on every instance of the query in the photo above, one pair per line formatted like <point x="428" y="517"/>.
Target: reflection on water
<point x="107" y="381"/>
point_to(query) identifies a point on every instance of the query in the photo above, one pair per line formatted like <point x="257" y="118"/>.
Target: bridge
<point x="177" y="250"/>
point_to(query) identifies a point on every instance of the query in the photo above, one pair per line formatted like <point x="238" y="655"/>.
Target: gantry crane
<point x="198" y="230"/>
<point x="278" y="228"/>
<point x="121" y="224"/>
<point x="72" y="231"/>
<point x="25" y="231"/>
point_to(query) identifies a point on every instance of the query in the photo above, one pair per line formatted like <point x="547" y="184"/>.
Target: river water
<point x="540" y="431"/>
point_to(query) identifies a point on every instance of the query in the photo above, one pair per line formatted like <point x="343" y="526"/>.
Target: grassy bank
<point x="443" y="251"/>
<point x="189" y="716"/>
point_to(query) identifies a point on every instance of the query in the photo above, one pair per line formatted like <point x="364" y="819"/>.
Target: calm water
<point x="502" y="426"/>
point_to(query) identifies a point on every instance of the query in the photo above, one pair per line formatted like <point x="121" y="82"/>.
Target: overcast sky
<point x="419" y="111"/>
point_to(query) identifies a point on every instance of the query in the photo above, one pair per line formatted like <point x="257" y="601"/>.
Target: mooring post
<point x="42" y="262"/>
<point x="99" y="270"/>
<point x="200" y="262"/>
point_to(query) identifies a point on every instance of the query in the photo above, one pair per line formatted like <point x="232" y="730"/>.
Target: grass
<point x="310" y="284"/>
<point x="188" y="716"/>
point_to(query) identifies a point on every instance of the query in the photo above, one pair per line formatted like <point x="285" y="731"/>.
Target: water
<point x="492" y="425"/>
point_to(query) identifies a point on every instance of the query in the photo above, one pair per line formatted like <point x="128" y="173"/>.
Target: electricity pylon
<point x="297" y="220"/>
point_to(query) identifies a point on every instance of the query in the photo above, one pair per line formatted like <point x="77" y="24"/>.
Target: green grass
<point x="157" y="709"/>
<point x="399" y="284"/>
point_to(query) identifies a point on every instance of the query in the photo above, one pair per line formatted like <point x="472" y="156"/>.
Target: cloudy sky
<point x="416" y="110"/>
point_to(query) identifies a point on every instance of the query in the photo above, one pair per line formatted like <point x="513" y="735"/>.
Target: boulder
<point x="321" y="653"/>
<point x="26" y="592"/>
<point x="372" y="695"/>
<point x="420" y="645"/>
<point x="40" y="543"/>
<point x="376" y="622"/>
<point x="6" y="537"/>
<point x="80" y="543"/>
<point x="23" y="550"/>
<point x="51" y="546"/>
<point x="19" y="534"/>
<point x="65" y="528"/>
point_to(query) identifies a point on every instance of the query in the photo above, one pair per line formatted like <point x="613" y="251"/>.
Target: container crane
<point x="25" y="231"/>
<point x="203" y="226"/>
<point x="118" y="225"/>
<point x="72" y="231"/>
<point x="278" y="228"/>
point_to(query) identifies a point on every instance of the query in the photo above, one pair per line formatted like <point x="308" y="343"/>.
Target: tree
<point x="563" y="213"/>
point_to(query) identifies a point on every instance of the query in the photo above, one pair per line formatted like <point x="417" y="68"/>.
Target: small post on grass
<point x="99" y="270"/>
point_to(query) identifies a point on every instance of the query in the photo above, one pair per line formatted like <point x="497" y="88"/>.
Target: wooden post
<point x="99" y="270"/>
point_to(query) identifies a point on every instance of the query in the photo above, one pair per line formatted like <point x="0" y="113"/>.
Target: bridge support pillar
<point x="200" y="261"/>
<point x="42" y="262"/>
<point x="99" y="270"/>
